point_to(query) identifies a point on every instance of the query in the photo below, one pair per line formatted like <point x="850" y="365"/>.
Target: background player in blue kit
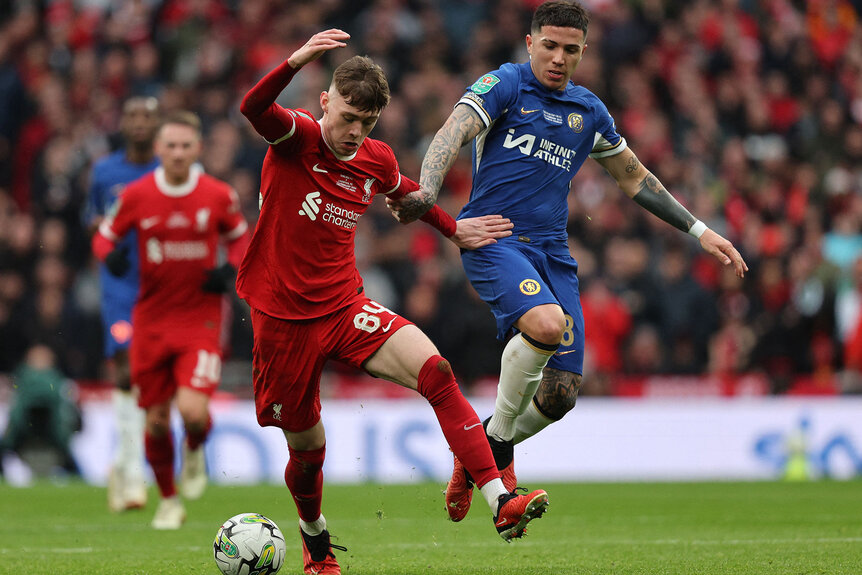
<point x="532" y="129"/>
<point x="138" y="125"/>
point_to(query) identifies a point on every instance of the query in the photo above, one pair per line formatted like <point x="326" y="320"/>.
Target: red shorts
<point x="160" y="363"/>
<point x="289" y="356"/>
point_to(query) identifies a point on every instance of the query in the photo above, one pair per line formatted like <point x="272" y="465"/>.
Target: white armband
<point x="697" y="229"/>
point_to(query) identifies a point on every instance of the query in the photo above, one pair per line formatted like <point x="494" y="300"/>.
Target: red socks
<point x="195" y="439"/>
<point x="458" y="420"/>
<point x="160" y="455"/>
<point x="304" y="478"/>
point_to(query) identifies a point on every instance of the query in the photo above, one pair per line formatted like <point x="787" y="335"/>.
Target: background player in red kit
<point x="299" y="276"/>
<point x="180" y="215"/>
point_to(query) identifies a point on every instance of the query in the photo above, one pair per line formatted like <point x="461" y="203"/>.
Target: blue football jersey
<point x="109" y="176"/>
<point x="534" y="142"/>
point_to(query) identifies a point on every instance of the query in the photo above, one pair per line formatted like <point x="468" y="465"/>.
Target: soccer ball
<point x="249" y="544"/>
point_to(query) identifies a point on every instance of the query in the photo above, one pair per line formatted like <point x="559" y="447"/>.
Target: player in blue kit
<point x="138" y="124"/>
<point x="532" y="129"/>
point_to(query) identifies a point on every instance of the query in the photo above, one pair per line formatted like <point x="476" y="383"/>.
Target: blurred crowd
<point x="749" y="111"/>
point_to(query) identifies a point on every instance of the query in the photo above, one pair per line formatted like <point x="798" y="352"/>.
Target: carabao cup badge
<point x="484" y="84"/>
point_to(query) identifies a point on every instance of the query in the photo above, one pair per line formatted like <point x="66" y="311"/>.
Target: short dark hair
<point x="561" y="13"/>
<point x="183" y="118"/>
<point x="362" y="84"/>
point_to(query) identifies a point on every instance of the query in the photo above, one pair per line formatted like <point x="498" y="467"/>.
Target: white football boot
<point x="193" y="477"/>
<point x="135" y="494"/>
<point x="116" y="490"/>
<point x="170" y="514"/>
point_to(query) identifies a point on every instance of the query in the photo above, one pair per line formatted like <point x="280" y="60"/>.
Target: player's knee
<point x="158" y="425"/>
<point x="547" y="326"/>
<point x="436" y="379"/>
<point x="557" y="400"/>
<point x="195" y="425"/>
<point x="549" y="333"/>
<point x="195" y="418"/>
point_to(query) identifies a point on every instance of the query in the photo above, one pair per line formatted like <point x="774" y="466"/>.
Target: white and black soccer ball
<point x="249" y="544"/>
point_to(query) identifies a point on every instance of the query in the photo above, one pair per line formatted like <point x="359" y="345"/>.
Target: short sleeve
<point x="493" y="93"/>
<point x="606" y="141"/>
<point x="232" y="224"/>
<point x="121" y="217"/>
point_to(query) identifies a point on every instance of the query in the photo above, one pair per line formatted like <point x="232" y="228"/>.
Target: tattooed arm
<point x="643" y="187"/>
<point x="462" y="126"/>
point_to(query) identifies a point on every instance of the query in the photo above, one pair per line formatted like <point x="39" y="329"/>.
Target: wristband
<point x="697" y="229"/>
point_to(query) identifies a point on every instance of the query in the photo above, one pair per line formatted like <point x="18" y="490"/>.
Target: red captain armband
<point x="441" y="220"/>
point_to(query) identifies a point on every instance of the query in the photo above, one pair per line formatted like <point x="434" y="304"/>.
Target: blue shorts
<point x="513" y="277"/>
<point x="117" y="321"/>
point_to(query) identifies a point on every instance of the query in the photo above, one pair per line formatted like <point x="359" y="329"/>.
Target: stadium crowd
<point x="749" y="111"/>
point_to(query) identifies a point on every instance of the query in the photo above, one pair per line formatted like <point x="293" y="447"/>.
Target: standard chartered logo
<point x="311" y="206"/>
<point x="331" y="213"/>
<point x="159" y="252"/>
<point x="154" y="251"/>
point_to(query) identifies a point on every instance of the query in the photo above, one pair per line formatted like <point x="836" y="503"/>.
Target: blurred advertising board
<point x="603" y="439"/>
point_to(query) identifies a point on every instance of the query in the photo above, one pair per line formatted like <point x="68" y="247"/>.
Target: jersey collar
<point x="181" y="190"/>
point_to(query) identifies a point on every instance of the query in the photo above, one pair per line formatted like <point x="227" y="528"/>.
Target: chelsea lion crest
<point x="576" y="123"/>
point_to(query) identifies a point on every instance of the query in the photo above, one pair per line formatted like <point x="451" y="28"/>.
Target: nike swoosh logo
<point x="316" y="169"/>
<point x="472" y="426"/>
<point x="500" y="523"/>
<point x="388" y="325"/>
<point x="565" y="352"/>
<point x="525" y="112"/>
<point x="147" y="223"/>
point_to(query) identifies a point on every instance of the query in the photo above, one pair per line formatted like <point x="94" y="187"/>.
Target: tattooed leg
<point x="556" y="396"/>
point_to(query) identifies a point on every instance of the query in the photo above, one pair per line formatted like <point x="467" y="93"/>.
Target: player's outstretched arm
<point x="468" y="233"/>
<point x="644" y="188"/>
<point x="462" y="126"/>
<point x="259" y="105"/>
<point x="317" y="45"/>
<point x="474" y="233"/>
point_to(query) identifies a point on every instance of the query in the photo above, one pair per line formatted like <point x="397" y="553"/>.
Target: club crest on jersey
<point x="366" y="195"/>
<point x="202" y="217"/>
<point x="576" y="123"/>
<point x="529" y="287"/>
<point x="484" y="84"/>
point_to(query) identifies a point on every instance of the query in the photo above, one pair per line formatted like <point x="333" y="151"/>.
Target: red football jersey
<point x="178" y="228"/>
<point x="300" y="263"/>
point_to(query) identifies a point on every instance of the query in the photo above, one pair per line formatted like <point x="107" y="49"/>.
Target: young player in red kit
<point x="180" y="215"/>
<point x="299" y="277"/>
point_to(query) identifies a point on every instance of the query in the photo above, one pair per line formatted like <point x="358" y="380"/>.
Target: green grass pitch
<point x="609" y="529"/>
